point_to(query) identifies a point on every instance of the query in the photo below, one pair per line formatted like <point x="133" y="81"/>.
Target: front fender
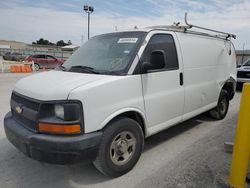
<point x="121" y="111"/>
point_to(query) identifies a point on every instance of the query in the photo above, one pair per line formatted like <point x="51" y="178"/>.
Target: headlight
<point x="62" y="117"/>
<point x="67" y="111"/>
<point x="59" y="111"/>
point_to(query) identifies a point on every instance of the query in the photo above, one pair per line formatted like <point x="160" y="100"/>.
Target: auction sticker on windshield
<point x="127" y="40"/>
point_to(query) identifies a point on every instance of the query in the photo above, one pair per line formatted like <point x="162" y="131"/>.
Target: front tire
<point x="220" y="111"/>
<point x="36" y="67"/>
<point x="121" y="147"/>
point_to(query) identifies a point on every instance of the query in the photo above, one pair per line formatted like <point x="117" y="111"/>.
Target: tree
<point x="61" y="43"/>
<point x="69" y="42"/>
<point x="41" y="41"/>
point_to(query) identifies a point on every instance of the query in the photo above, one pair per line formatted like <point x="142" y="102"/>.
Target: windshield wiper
<point x="82" y="68"/>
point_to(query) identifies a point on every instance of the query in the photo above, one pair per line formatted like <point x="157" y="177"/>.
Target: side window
<point x="50" y="57"/>
<point x="165" y="43"/>
<point x="40" y="56"/>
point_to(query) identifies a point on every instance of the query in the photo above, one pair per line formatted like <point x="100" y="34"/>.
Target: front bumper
<point x="52" y="148"/>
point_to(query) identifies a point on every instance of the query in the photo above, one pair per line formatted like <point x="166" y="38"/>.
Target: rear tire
<point x="121" y="147"/>
<point x="220" y="111"/>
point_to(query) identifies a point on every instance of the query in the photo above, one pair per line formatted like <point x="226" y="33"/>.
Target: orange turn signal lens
<point x="59" y="129"/>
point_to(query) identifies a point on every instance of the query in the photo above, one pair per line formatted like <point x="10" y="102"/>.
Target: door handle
<point x="181" y="78"/>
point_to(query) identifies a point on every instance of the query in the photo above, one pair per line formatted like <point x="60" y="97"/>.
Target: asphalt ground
<point x="190" y="154"/>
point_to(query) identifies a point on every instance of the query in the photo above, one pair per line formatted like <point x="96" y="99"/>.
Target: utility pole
<point x="243" y="53"/>
<point x="88" y="9"/>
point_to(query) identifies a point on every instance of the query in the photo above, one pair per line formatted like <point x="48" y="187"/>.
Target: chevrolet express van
<point x="118" y="89"/>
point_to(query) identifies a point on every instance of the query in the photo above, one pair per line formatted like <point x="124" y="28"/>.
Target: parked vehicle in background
<point x="243" y="74"/>
<point x="44" y="61"/>
<point x="13" y="56"/>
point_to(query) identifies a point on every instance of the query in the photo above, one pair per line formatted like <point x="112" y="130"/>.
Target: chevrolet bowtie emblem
<point x="19" y="109"/>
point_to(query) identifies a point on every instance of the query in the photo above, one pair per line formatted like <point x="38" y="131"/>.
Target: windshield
<point x="109" y="53"/>
<point x="247" y="63"/>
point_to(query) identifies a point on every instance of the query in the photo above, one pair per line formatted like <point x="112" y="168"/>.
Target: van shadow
<point x="17" y="169"/>
<point x="171" y="132"/>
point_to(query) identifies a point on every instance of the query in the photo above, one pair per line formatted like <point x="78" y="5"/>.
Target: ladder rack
<point x="228" y="35"/>
<point x="186" y="28"/>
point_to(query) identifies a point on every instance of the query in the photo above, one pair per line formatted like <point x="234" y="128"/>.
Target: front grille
<point x="32" y="125"/>
<point x="25" y="118"/>
<point x="243" y="74"/>
<point x="29" y="103"/>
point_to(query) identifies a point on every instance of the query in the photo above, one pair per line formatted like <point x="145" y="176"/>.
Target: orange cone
<point x="27" y="68"/>
<point x="23" y="69"/>
<point x="18" y="68"/>
<point x="12" y="69"/>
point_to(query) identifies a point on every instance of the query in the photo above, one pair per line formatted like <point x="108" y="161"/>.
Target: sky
<point x="29" y="20"/>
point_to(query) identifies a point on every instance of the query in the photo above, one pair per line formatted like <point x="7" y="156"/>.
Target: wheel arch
<point x="230" y="87"/>
<point x="132" y="113"/>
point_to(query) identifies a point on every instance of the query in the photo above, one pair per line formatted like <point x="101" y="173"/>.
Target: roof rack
<point x="174" y="27"/>
<point x="228" y="35"/>
<point x="185" y="28"/>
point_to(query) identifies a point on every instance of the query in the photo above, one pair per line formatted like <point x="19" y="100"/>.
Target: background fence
<point x="58" y="54"/>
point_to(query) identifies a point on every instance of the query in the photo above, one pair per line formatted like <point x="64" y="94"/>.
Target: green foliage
<point x="42" y="41"/>
<point x="61" y="43"/>
<point x="69" y="42"/>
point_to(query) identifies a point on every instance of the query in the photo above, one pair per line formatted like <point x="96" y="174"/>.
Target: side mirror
<point x="157" y="61"/>
<point x="147" y="66"/>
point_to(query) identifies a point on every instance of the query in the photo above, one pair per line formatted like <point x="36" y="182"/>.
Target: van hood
<point x="53" y="85"/>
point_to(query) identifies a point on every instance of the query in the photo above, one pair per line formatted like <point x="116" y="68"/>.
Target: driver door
<point x="162" y="85"/>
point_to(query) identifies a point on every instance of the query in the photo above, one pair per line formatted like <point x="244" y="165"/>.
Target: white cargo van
<point x="118" y="89"/>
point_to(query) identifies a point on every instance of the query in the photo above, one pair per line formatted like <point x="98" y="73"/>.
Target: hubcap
<point x="122" y="148"/>
<point x="223" y="106"/>
<point x="36" y="67"/>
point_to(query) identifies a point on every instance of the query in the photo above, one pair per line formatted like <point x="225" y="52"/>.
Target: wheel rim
<point x="122" y="148"/>
<point x="36" y="67"/>
<point x="223" y="106"/>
